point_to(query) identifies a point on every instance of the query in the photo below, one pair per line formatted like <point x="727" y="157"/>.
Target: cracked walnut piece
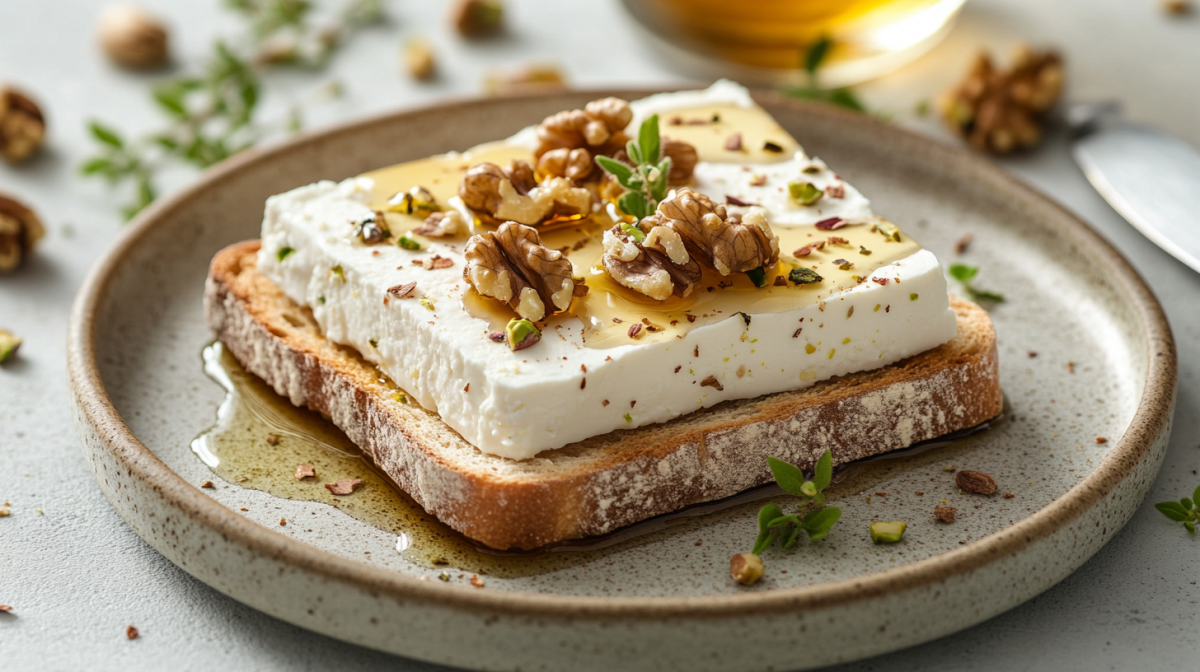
<point x="514" y="195"/>
<point x="20" y="229"/>
<point x="443" y="224"/>
<point x="728" y="243"/>
<point x="569" y="140"/>
<point x="658" y="267"/>
<point x="22" y="126"/>
<point x="512" y="265"/>
<point x="1001" y="111"/>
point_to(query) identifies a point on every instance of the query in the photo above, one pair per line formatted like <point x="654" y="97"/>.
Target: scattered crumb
<point x="304" y="471"/>
<point x="283" y="521"/>
<point x="1070" y="366"/>
<point x="919" y="494"/>
<point x="5" y="608"/>
<point x="476" y="581"/>
<point x="273" y="439"/>
<point x="947" y="468"/>
<point x="207" y="484"/>
<point x="131" y="632"/>
<point x="1032" y="354"/>
<point x="963" y="243"/>
<point x="245" y="509"/>
<point x="1009" y="495"/>
<point x="1101" y="439"/>
<point x="343" y="486"/>
<point x="699" y="542"/>
<point x="945" y="514"/>
<point x="4" y="512"/>
<point x="881" y="494"/>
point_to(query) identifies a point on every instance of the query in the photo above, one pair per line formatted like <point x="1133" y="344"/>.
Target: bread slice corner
<point x="596" y="486"/>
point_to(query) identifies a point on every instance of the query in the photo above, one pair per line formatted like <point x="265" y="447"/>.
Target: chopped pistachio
<point x="811" y="169"/>
<point x="337" y="272"/>
<point x="428" y="304"/>
<point x="913" y="297"/>
<point x="283" y="253"/>
<point x="408" y="243"/>
<point x="628" y="418"/>
<point x="887" y="533"/>
<point x="746" y="568"/>
<point x="804" y="193"/>
<point x="633" y="232"/>
<point x="416" y="201"/>
<point x="521" y="334"/>
<point x="758" y="276"/>
<point x="9" y="342"/>
<point x="804" y="276"/>
<point x="843" y="264"/>
<point x="374" y="343"/>
<point x="321" y="300"/>
<point x="372" y="230"/>
<point x="864" y="251"/>
<point x="890" y="231"/>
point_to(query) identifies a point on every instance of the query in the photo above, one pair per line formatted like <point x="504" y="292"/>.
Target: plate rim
<point x="1152" y="417"/>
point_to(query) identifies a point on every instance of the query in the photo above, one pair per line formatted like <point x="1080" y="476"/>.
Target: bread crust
<point x="606" y="482"/>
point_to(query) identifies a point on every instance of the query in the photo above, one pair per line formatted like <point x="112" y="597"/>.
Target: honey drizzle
<point x="608" y="310"/>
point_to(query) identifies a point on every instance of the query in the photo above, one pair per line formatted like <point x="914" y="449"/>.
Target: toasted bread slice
<point x="606" y="482"/>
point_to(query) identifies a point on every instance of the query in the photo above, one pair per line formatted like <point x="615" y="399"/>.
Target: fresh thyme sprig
<point x="813" y="59"/>
<point x="1186" y="511"/>
<point x="646" y="179"/>
<point x="212" y="115"/>
<point x="965" y="274"/>
<point x="812" y="516"/>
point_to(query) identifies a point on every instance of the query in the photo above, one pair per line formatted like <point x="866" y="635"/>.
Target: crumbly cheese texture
<point x="517" y="404"/>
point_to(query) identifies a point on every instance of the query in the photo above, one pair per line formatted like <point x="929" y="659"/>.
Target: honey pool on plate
<point x="259" y="439"/>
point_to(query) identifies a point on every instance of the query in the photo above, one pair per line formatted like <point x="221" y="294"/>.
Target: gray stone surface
<point x="76" y="575"/>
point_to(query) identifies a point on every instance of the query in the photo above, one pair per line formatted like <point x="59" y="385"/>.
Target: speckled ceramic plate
<point x="1104" y="367"/>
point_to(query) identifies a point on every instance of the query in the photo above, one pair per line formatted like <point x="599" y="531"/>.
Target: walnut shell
<point x="22" y="126"/>
<point x="513" y="266"/>
<point x="20" y="229"/>
<point x="132" y="37"/>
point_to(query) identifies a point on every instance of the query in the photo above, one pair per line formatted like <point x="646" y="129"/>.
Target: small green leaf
<point x="96" y="165"/>
<point x="634" y="152"/>
<point x="106" y="135"/>
<point x="1172" y="510"/>
<point x="619" y="170"/>
<point x="981" y="295"/>
<point x="249" y="95"/>
<point x="166" y="142"/>
<point x="1191" y="527"/>
<point x="1187" y="503"/>
<point x="171" y="100"/>
<point x="792" y="537"/>
<point x="823" y="472"/>
<point x="819" y="525"/>
<point x="787" y="475"/>
<point x="633" y="232"/>
<point x="648" y="140"/>
<point x="758" y="276"/>
<point x="846" y="98"/>
<point x="634" y="204"/>
<point x="963" y="273"/>
<point x="1196" y="494"/>
<point x="766" y="514"/>
<point x="658" y="188"/>
<point x="816" y="55"/>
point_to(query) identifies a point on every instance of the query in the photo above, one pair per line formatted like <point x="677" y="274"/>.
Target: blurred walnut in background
<point x="1000" y="111"/>
<point x="132" y="37"/>
<point x="22" y="126"/>
<point x="20" y="229"/>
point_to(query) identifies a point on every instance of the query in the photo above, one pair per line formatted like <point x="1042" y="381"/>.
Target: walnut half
<point x="569" y="140"/>
<point x="728" y="243"/>
<point x="20" y="229"/>
<point x="514" y="195"/>
<point x="658" y="266"/>
<point x="512" y="265"/>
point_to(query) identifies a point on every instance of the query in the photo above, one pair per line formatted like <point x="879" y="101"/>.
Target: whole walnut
<point x="514" y="194"/>
<point x="599" y="128"/>
<point x="512" y="265"/>
<point x="22" y="126"/>
<point x="1000" y="111"/>
<point x="20" y="229"/>
<point x="729" y="243"/>
<point x="132" y="37"/>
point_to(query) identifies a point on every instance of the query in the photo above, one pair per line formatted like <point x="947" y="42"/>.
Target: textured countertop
<point x="76" y="575"/>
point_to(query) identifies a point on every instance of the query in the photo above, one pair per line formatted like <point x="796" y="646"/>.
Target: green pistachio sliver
<point x="890" y="231"/>
<point x="804" y="193"/>
<point x="758" y="276"/>
<point x="283" y="253"/>
<point x="9" y="342"/>
<point x="408" y="243"/>
<point x="633" y="232"/>
<point x="887" y="533"/>
<point x="337" y="272"/>
<point x="628" y="418"/>
<point x="521" y="334"/>
<point x="804" y="276"/>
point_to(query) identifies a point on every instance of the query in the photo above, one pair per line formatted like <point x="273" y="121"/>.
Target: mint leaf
<point x="1173" y="510"/>
<point x="633" y="203"/>
<point x="823" y="472"/>
<point x="963" y="273"/>
<point x="619" y="170"/>
<point x="787" y="475"/>
<point x="106" y="135"/>
<point x="978" y="295"/>
<point x="648" y="140"/>
<point x="1187" y="504"/>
